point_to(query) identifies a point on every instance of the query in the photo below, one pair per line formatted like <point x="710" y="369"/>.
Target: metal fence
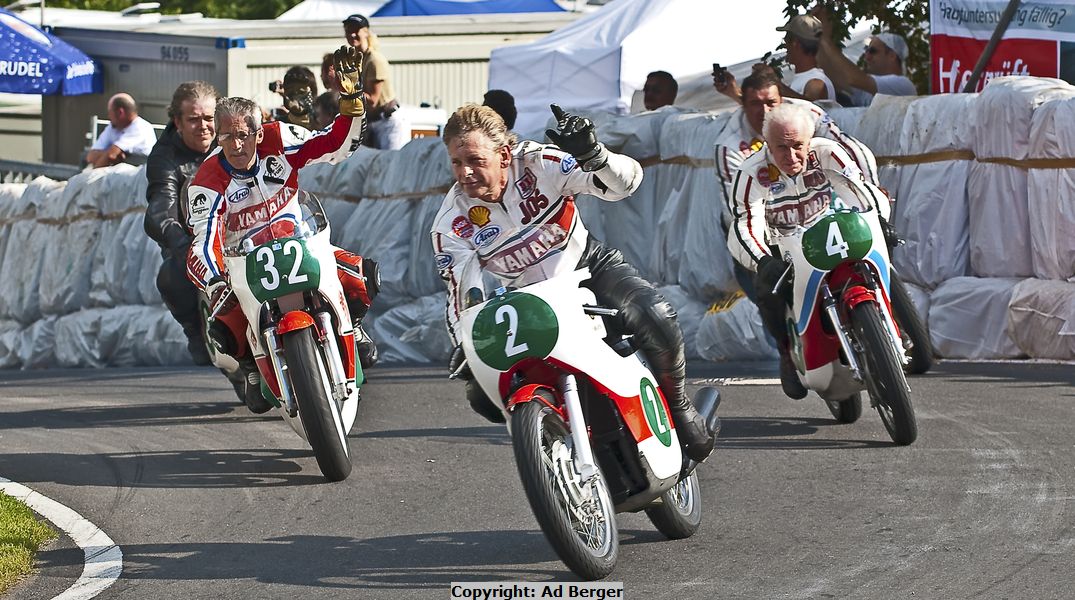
<point x="15" y="171"/>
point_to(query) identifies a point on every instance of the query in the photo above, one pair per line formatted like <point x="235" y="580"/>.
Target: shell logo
<point x="479" y="215"/>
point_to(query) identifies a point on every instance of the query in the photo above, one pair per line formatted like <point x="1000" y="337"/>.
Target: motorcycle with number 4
<point x="281" y="268"/>
<point x="591" y="430"/>
<point x="843" y="334"/>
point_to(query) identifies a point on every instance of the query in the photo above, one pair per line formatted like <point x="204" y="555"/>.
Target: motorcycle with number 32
<point x="282" y="269"/>
<point x="590" y="428"/>
<point x="843" y="334"/>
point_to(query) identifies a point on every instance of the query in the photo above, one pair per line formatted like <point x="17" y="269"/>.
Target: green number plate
<point x="513" y="327"/>
<point x="836" y="238"/>
<point x="281" y="267"/>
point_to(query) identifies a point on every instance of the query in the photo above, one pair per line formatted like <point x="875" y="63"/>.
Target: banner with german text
<point x="1039" y="41"/>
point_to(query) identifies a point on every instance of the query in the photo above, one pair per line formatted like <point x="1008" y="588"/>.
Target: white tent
<point x="597" y="62"/>
<point x="329" y="10"/>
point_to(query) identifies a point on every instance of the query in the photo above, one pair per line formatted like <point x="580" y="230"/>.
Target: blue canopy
<point x="400" y="8"/>
<point x="36" y="62"/>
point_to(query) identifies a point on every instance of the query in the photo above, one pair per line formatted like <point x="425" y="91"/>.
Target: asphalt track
<point x="209" y="501"/>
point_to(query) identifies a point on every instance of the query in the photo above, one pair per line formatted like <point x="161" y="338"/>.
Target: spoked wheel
<point x="318" y="410"/>
<point x="884" y="376"/>
<point x="680" y="510"/>
<point x="577" y="517"/>
<point x="911" y="325"/>
<point x="846" y="411"/>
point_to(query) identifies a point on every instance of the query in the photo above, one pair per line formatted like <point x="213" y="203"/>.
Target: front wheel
<point x="318" y="410"/>
<point x="680" y="510"/>
<point x="911" y="325"/>
<point x="884" y="376"/>
<point x="577" y="517"/>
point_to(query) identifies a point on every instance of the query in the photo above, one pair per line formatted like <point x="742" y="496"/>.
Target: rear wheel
<point x="911" y="325"/>
<point x="680" y="511"/>
<point x="577" y="517"/>
<point x="846" y="411"/>
<point x="884" y="376"/>
<point x="318" y="410"/>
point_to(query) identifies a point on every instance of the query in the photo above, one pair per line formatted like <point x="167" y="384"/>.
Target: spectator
<point x="886" y="58"/>
<point x="127" y="134"/>
<point x="326" y="107"/>
<point x="388" y="129"/>
<point x="660" y="90"/>
<point x="299" y="88"/>
<point x="504" y="104"/>
<point x="175" y="157"/>
<point x="802" y="41"/>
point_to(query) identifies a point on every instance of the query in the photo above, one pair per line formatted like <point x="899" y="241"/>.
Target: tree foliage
<point x="219" y="9"/>
<point x="908" y="18"/>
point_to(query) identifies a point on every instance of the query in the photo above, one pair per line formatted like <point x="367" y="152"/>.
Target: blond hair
<point x="475" y="118"/>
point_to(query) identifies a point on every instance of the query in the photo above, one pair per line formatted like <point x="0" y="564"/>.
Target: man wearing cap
<point x="886" y="58"/>
<point x="802" y="41"/>
<point x="388" y="129"/>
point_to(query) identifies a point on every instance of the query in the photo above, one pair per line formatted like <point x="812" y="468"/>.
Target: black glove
<point x="892" y="238"/>
<point x="177" y="241"/>
<point x="216" y="289"/>
<point x="578" y="138"/>
<point x="457" y="359"/>
<point x="770" y="268"/>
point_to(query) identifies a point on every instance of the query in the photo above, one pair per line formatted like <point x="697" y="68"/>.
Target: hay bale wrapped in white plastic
<point x="878" y="129"/>
<point x="968" y="318"/>
<point x="1041" y="318"/>
<point x="9" y="344"/>
<point x="848" y="118"/>
<point x="413" y="332"/>
<point x="921" y="300"/>
<point x="117" y="263"/>
<point x="1051" y="191"/>
<point x="931" y="210"/>
<point x="27" y="241"/>
<point x="734" y="331"/>
<point x="690" y="313"/>
<point x="999" y="216"/>
<point x="36" y="344"/>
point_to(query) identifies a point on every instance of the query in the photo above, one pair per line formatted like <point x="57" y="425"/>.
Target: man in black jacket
<point x="174" y="159"/>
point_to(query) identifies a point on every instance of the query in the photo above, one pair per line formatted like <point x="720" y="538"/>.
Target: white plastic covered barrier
<point x="1041" y="318"/>
<point x="1051" y="191"/>
<point x="968" y="318"/>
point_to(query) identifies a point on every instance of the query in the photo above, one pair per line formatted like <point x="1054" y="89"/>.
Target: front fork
<point x="585" y="463"/>
<point x="327" y="339"/>
<point x="828" y="304"/>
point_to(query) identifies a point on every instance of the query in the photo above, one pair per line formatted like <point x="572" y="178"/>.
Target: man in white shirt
<point x="126" y="134"/>
<point x="886" y="58"/>
<point x="802" y="41"/>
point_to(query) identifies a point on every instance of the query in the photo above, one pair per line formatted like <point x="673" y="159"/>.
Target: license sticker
<point x="462" y="227"/>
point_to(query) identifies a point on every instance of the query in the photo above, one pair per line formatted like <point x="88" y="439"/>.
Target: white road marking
<point x="103" y="558"/>
<point x="735" y="381"/>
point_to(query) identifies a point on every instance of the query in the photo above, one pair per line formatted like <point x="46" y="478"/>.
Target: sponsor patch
<point x="777" y="187"/>
<point x="763" y="176"/>
<point x="273" y="167"/>
<point x="567" y="164"/>
<point x="199" y="205"/>
<point x="486" y="236"/>
<point x="462" y="227"/>
<point x="295" y="131"/>
<point x="479" y="215"/>
<point x="239" y="195"/>
<point x="812" y="162"/>
<point x="527" y="184"/>
<point x="443" y="260"/>
<point x="813" y="178"/>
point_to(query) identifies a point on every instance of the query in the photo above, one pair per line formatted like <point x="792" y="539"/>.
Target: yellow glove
<point x="348" y="63"/>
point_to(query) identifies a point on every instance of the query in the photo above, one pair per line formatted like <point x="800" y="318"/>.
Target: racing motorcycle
<point x="843" y="334"/>
<point x="281" y="268"/>
<point x="590" y="428"/>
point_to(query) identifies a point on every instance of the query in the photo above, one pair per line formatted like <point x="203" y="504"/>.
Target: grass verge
<point x="21" y="534"/>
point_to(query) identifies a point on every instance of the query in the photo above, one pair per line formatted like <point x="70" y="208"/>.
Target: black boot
<point x="196" y="346"/>
<point x="252" y="396"/>
<point x="367" y="348"/>
<point x="789" y="376"/>
<point x="697" y="440"/>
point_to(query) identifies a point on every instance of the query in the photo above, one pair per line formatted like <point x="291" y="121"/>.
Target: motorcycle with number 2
<point x="281" y="268"/>
<point x="591" y="430"/>
<point x="843" y="334"/>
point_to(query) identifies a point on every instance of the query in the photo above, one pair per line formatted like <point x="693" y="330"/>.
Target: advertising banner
<point x="1040" y="41"/>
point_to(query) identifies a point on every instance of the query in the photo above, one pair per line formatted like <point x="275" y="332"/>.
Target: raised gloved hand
<point x="577" y="137"/>
<point x="217" y="289"/>
<point x="348" y="64"/>
<point x="770" y="268"/>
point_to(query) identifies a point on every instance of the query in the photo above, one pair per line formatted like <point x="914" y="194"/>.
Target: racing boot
<point x="196" y="346"/>
<point x="479" y="401"/>
<point x="695" y="437"/>
<point x="367" y="348"/>
<point x="252" y="395"/>
<point x="789" y="376"/>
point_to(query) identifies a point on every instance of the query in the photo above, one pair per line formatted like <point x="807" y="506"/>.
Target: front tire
<point x="911" y="325"/>
<point x="318" y="410"/>
<point x="583" y="534"/>
<point x="884" y="376"/>
<point x="679" y="514"/>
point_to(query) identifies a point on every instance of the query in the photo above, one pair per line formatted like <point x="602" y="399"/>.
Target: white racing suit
<point x="763" y="195"/>
<point x="540" y="190"/>
<point x="221" y="197"/>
